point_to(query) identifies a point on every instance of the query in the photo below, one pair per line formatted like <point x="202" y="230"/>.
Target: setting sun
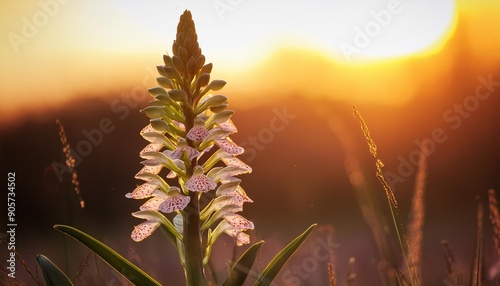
<point x="68" y="49"/>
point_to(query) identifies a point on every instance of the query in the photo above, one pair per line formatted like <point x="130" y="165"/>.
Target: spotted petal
<point x="242" y="238"/>
<point x="152" y="147"/>
<point x="147" y="129"/>
<point x="150" y="170"/>
<point x="228" y="126"/>
<point x="238" y="222"/>
<point x="152" y="204"/>
<point x="174" y="203"/>
<point x="145" y="190"/>
<point x="233" y="161"/>
<point x="229" y="146"/>
<point x="144" y="230"/>
<point x="200" y="182"/>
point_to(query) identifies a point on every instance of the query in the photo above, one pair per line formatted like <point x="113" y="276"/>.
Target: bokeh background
<point x="294" y="70"/>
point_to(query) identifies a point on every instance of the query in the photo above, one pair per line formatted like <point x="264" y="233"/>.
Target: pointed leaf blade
<point x="274" y="267"/>
<point x="126" y="268"/>
<point x="241" y="269"/>
<point x="51" y="273"/>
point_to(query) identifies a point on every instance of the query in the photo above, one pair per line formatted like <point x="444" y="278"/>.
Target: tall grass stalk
<point x="368" y="203"/>
<point x="70" y="161"/>
<point x="391" y="198"/>
<point x="476" y="276"/>
<point x="495" y="219"/>
<point x="416" y="218"/>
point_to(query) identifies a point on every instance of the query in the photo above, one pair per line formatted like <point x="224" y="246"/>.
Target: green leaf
<point x="51" y="273"/>
<point x="274" y="267"/>
<point x="126" y="268"/>
<point x="241" y="269"/>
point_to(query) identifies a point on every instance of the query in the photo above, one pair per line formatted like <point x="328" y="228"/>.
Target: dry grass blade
<point x="330" y="238"/>
<point x="367" y="200"/>
<point x="373" y="150"/>
<point x="70" y="161"/>
<point x="495" y="219"/>
<point x="477" y="264"/>
<point x="416" y="218"/>
<point x="393" y="205"/>
<point x="331" y="274"/>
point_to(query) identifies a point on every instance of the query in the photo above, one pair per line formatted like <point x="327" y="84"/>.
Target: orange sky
<point x="78" y="49"/>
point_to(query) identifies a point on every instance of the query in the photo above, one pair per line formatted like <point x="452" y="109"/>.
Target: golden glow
<point x="58" y="49"/>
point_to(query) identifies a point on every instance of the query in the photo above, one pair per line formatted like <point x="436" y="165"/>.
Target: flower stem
<point x="192" y="244"/>
<point x="193" y="251"/>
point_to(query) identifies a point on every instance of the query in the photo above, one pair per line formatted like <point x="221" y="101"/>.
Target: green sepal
<point x="213" y="217"/>
<point x="126" y="268"/>
<point x="155" y="91"/>
<point x="178" y="63"/>
<point x="212" y="160"/>
<point x="165" y="81"/>
<point x="202" y="80"/>
<point x="155" y="179"/>
<point x="213" y="85"/>
<point x="210" y="102"/>
<point x="214" y="135"/>
<point x="178" y="95"/>
<point x="52" y="275"/>
<point x="154" y="111"/>
<point x="167" y="60"/>
<point x="172" y="74"/>
<point x="213" y="172"/>
<point x="166" y="161"/>
<point x="218" y="118"/>
<point x="274" y="267"/>
<point x="155" y="137"/>
<point x="156" y="216"/>
<point x="207" y="68"/>
<point x="218" y="108"/>
<point x="200" y="61"/>
<point x="158" y="109"/>
<point x="160" y="125"/>
<point x="243" y="266"/>
<point x="229" y="170"/>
